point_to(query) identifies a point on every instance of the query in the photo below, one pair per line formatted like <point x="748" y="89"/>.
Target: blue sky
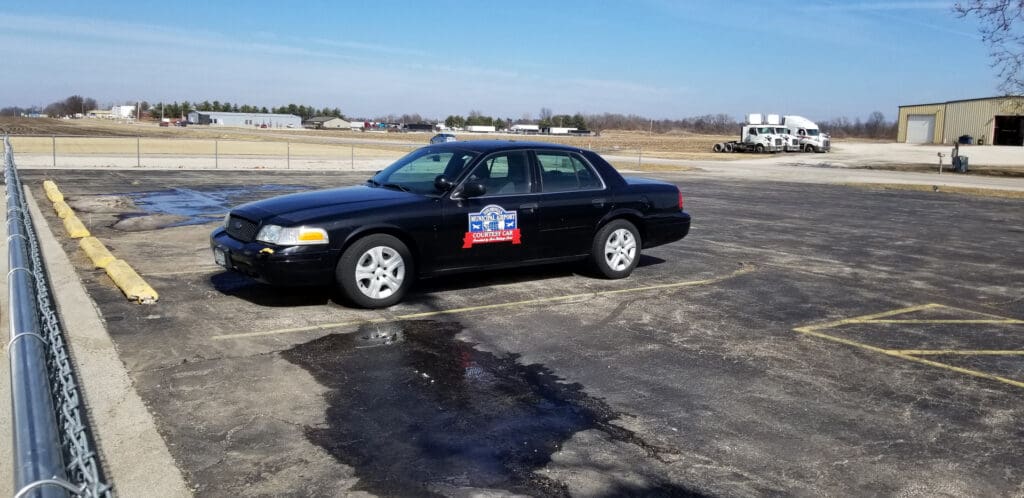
<point x="657" y="58"/>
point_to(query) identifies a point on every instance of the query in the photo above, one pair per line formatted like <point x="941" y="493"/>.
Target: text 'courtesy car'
<point x="453" y="207"/>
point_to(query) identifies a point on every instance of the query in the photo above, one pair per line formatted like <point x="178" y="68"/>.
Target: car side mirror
<point x="473" y="189"/>
<point x="442" y="183"/>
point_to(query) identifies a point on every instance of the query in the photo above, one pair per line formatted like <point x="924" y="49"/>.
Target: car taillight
<point x="680" y="201"/>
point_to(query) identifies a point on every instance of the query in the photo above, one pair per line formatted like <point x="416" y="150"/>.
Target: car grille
<point x="241" y="229"/>
<point x="828" y="143"/>
<point x="778" y="141"/>
<point x="794" y="142"/>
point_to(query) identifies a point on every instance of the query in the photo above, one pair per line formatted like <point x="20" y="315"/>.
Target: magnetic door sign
<point x="491" y="224"/>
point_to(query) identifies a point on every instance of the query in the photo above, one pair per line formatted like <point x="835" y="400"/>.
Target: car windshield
<point x="765" y="130"/>
<point x="416" y="171"/>
<point x="812" y="133"/>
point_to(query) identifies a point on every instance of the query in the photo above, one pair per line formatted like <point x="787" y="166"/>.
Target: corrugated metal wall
<point x="929" y="109"/>
<point x="977" y="117"/>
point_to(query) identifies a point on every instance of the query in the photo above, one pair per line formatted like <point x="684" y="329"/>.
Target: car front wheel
<point x="616" y="249"/>
<point x="375" y="271"/>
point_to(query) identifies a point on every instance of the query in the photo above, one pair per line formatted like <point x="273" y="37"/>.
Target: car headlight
<point x="227" y="218"/>
<point x="292" y="236"/>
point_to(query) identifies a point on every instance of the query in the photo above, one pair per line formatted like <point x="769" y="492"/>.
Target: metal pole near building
<point x="54" y="148"/>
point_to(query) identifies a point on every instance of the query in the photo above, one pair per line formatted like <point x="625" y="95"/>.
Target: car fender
<point x="388" y="228"/>
<point x="633" y="215"/>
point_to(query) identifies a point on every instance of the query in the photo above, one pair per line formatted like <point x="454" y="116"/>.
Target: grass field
<point x="94" y="136"/>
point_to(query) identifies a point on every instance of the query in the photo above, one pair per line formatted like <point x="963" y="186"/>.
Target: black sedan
<point x="453" y="207"/>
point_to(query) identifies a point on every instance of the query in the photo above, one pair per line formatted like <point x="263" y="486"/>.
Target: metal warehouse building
<point x="989" y="121"/>
<point x="244" y="119"/>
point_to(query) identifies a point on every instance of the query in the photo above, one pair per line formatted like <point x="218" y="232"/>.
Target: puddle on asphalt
<point x="415" y="411"/>
<point x="187" y="206"/>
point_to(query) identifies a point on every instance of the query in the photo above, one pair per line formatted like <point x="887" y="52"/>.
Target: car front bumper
<point x="292" y="266"/>
<point x="665" y="228"/>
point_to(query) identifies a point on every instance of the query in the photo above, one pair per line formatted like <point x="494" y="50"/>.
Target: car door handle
<point x="530" y="206"/>
<point x="598" y="202"/>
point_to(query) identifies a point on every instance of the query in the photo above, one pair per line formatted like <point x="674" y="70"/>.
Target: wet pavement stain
<point x="198" y="206"/>
<point x="417" y="412"/>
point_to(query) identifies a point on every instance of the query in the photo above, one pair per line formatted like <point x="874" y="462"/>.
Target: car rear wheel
<point x="616" y="249"/>
<point x="759" y="149"/>
<point x="375" y="271"/>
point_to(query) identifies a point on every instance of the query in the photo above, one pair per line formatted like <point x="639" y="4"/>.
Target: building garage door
<point x="920" y="128"/>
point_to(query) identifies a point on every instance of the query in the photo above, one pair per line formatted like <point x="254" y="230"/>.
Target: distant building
<point x="988" y="121"/>
<point x="244" y="119"/>
<point x="418" y="127"/>
<point x="327" y="122"/>
<point x="100" y="113"/>
<point x="122" y="111"/>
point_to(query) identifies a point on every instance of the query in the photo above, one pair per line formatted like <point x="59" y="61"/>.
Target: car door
<point x="498" y="227"/>
<point x="573" y="200"/>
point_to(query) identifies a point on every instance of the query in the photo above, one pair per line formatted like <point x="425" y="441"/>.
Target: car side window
<point x="504" y="173"/>
<point x="563" y="172"/>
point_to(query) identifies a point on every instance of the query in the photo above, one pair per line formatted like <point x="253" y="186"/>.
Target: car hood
<point x="298" y="208"/>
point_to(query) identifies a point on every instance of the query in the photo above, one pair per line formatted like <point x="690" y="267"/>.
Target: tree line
<point x="181" y="109"/>
<point x="75" y="104"/>
<point x="875" y="126"/>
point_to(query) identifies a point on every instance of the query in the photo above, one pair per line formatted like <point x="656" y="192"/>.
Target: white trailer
<point x="809" y="137"/>
<point x="480" y="129"/>
<point x="525" y="128"/>
<point x="560" y="131"/>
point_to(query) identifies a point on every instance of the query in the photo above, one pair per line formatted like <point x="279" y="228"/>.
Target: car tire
<point x="759" y="149"/>
<point x="616" y="249"/>
<point x="375" y="271"/>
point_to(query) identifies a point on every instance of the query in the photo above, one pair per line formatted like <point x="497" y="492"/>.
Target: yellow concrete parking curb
<point x="123" y="275"/>
<point x="62" y="209"/>
<point x="133" y="286"/>
<point x="75" y="227"/>
<point x="52" y="192"/>
<point x="96" y="251"/>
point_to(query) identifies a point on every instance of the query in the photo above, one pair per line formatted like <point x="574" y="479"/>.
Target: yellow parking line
<point x="914" y="354"/>
<point x="1009" y="321"/>
<point x="411" y="316"/>
<point x="905" y="356"/>
<point x="967" y="352"/>
<point x="868" y="318"/>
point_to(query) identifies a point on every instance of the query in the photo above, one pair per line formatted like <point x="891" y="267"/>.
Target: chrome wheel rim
<point x="620" y="249"/>
<point x="380" y="272"/>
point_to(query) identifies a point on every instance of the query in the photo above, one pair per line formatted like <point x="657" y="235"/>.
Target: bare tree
<point x="1001" y="31"/>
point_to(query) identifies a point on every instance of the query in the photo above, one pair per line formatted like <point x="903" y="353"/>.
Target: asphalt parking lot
<point x="804" y="339"/>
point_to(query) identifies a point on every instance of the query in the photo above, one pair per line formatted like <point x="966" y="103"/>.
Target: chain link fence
<point x="48" y="151"/>
<point x="54" y="450"/>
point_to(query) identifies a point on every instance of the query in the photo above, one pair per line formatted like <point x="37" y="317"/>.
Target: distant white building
<point x="324" y="122"/>
<point x="480" y="129"/>
<point x="244" y="119"/>
<point x="122" y="111"/>
<point x="560" y="131"/>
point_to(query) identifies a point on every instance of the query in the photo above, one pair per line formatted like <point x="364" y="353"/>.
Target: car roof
<point x="486" y="146"/>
